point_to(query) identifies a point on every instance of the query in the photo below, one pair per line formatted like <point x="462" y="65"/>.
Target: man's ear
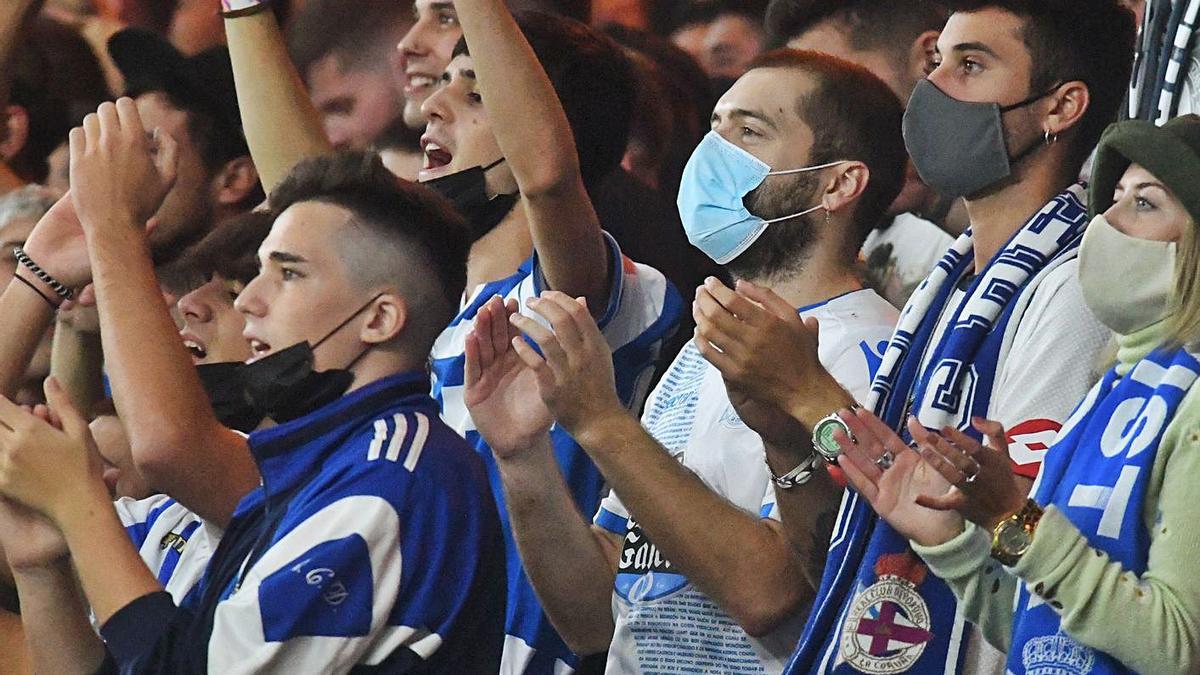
<point x="235" y="181"/>
<point x="15" y="131"/>
<point x="849" y="181"/>
<point x="1070" y="104"/>
<point x="386" y="319"/>
<point x="922" y="55"/>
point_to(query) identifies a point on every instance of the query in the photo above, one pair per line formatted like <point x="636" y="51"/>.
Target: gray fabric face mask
<point x="958" y="147"/>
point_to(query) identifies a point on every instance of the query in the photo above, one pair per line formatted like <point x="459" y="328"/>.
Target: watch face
<point x="823" y="441"/>
<point x="1013" y="538"/>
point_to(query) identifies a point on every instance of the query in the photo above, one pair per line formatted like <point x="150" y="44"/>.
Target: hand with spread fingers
<point x="48" y="469"/>
<point x="574" y="371"/>
<point x="894" y="479"/>
<point x="120" y="173"/>
<point x="501" y="391"/>
<point x="762" y="347"/>
<point x="986" y="488"/>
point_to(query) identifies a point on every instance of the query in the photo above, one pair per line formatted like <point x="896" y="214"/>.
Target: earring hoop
<point x="1050" y="137"/>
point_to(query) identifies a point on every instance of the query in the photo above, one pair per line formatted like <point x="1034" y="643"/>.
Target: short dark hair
<point x="355" y="32"/>
<point x="229" y="250"/>
<point x="1074" y="40"/>
<point x="853" y="116"/>
<point x="684" y="14"/>
<point x="421" y="223"/>
<point x="595" y="83"/>
<point x="870" y="25"/>
<point x="580" y="10"/>
<point x="57" y="79"/>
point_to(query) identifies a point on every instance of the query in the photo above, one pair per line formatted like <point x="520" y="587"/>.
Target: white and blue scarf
<point x="1097" y="473"/>
<point x="877" y="610"/>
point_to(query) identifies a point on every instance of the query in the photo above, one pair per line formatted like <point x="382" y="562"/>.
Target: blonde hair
<point x="1183" y="323"/>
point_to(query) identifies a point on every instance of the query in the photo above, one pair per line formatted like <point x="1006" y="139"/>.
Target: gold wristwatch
<point x="1014" y="535"/>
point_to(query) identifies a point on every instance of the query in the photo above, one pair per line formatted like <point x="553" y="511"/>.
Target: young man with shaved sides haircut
<point x="358" y="476"/>
<point x="531" y="114"/>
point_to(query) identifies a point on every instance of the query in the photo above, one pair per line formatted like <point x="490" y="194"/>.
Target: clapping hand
<point x="894" y="479"/>
<point x="501" y="391"/>
<point x="120" y="174"/>
<point x="45" y="467"/>
<point x="574" y="370"/>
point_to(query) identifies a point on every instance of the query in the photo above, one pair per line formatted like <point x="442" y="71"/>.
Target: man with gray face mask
<point x="1020" y="95"/>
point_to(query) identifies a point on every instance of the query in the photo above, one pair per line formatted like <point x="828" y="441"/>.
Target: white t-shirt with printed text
<point x="663" y="624"/>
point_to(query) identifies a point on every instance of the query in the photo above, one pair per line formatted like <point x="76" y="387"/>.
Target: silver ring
<point x="885" y="460"/>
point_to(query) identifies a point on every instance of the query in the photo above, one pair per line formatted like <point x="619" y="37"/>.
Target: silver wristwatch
<point x="822" y="437"/>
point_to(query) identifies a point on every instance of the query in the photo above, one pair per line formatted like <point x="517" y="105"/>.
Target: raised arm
<point x="535" y="137"/>
<point x="177" y="442"/>
<point x="570" y="564"/>
<point x="282" y="126"/>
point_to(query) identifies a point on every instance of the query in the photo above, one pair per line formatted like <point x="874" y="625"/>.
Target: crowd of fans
<point x="624" y="336"/>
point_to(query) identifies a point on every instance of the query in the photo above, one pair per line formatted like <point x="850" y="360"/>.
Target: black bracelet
<point x="35" y="289"/>
<point x="55" y="285"/>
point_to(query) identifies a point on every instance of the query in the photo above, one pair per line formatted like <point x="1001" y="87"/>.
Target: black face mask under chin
<point x="283" y="386"/>
<point x="467" y="189"/>
<point x="223" y="384"/>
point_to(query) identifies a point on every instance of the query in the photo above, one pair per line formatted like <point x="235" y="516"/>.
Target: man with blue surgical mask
<point x="685" y="566"/>
<point x="999" y="329"/>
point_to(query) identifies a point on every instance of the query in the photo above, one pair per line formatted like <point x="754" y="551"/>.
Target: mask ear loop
<point x="807" y="168"/>
<point x="803" y="170"/>
<point x="348" y="320"/>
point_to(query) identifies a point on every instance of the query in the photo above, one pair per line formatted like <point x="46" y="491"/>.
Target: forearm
<point x="743" y="562"/>
<point x="985" y="590"/>
<point x="570" y="566"/>
<point x="807" y="511"/>
<point x="110" y="570"/>
<point x="55" y="623"/>
<point x="282" y="126"/>
<point x="76" y="361"/>
<point x="816" y="400"/>
<point x="24" y="318"/>
<point x="535" y="136"/>
<point x="1100" y="600"/>
<point x="176" y="440"/>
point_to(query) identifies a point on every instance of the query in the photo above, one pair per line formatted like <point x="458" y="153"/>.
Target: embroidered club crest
<point x="888" y="624"/>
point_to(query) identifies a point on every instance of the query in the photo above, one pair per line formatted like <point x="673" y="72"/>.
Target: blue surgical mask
<point x="716" y="179"/>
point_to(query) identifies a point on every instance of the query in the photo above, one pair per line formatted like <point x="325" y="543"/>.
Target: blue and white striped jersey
<point x="373" y="545"/>
<point x="643" y="310"/>
<point x="175" y="543"/>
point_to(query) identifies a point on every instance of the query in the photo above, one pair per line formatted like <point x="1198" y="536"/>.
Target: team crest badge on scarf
<point x="956" y="385"/>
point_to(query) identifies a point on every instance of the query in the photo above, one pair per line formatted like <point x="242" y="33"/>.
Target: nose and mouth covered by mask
<point x="716" y="179"/>
<point x="1127" y="282"/>
<point x="958" y="147"/>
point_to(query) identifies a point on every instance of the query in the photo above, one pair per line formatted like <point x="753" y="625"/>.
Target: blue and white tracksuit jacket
<point x="373" y="545"/>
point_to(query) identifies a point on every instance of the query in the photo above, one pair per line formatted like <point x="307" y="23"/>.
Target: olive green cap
<point x="1170" y="152"/>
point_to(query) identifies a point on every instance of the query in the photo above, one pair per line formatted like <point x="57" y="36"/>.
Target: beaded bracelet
<point x="55" y="285"/>
<point x="232" y="9"/>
